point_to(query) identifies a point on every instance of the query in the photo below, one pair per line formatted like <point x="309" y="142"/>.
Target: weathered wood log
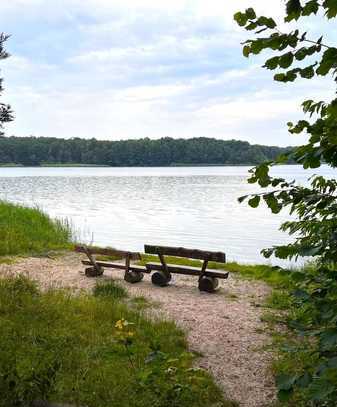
<point x="92" y="272"/>
<point x="191" y="271"/>
<point x="160" y="278"/>
<point x="133" y="277"/>
<point x="164" y="265"/>
<point x="107" y="251"/>
<point x="187" y="253"/>
<point x="204" y="267"/>
<point x="132" y="267"/>
<point x="98" y="270"/>
<point x="208" y="284"/>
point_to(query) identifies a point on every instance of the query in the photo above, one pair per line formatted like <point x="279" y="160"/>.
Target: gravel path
<point x="224" y="327"/>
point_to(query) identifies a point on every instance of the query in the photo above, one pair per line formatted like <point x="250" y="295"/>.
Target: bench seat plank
<point x="192" y="271"/>
<point x="120" y="266"/>
<point x="107" y="251"/>
<point x="187" y="253"/>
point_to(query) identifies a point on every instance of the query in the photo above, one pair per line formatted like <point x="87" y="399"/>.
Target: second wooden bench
<point x="208" y="278"/>
<point x="132" y="272"/>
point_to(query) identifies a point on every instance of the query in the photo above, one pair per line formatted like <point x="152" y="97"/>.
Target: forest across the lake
<point x="35" y="151"/>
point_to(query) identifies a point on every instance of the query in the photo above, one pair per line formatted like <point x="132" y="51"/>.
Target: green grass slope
<point x="30" y="231"/>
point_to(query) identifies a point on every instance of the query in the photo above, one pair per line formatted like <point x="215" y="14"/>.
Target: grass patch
<point x="68" y="349"/>
<point x="294" y="353"/>
<point x="273" y="275"/>
<point x="141" y="303"/>
<point x="30" y="231"/>
<point x="102" y="257"/>
<point x="110" y="289"/>
<point x="7" y="260"/>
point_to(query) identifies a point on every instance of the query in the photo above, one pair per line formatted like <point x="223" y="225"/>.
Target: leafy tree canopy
<point x="295" y="56"/>
<point x="141" y="152"/>
<point x="6" y="114"/>
<point x="301" y="57"/>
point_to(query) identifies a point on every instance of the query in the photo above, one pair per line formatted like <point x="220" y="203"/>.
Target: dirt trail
<point x="224" y="327"/>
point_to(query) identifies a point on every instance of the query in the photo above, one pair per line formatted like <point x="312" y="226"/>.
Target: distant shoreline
<point x="126" y="166"/>
<point x="50" y="165"/>
<point x="77" y="152"/>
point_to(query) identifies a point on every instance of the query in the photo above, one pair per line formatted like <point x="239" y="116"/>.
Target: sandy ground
<point x="224" y="327"/>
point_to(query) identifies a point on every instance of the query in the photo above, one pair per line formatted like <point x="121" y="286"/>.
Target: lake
<point x="195" y="207"/>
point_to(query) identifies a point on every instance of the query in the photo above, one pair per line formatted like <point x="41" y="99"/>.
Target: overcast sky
<point x="117" y="69"/>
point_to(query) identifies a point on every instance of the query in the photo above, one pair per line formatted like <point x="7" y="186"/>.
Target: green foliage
<point x="6" y="115"/>
<point x="30" y="231"/>
<point x="315" y="230"/>
<point x="71" y="349"/>
<point x="143" y="152"/>
<point x="110" y="289"/>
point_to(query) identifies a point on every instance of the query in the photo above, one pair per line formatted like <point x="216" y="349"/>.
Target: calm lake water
<point x="184" y="206"/>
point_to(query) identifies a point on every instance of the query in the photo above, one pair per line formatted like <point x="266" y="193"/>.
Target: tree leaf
<point x="328" y="61"/>
<point x="328" y="339"/>
<point x="246" y="51"/>
<point x="272" y="203"/>
<point x="320" y="389"/>
<point x="310" y="8"/>
<point x="285" y="381"/>
<point x="240" y="18"/>
<point x="304" y="380"/>
<point x="331" y="6"/>
<point x="254" y="202"/>
<point x="250" y="13"/>
<point x="280" y="77"/>
<point x="284" y="395"/>
<point x="294" y="9"/>
<point x="286" y="60"/>
<point x="272" y="63"/>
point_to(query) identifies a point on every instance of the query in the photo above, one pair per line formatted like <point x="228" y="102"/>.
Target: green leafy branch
<point x="314" y="229"/>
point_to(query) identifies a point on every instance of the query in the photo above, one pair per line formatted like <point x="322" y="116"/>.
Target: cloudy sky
<point x="117" y="69"/>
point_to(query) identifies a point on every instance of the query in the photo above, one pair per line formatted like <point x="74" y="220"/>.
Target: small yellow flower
<point x="120" y="324"/>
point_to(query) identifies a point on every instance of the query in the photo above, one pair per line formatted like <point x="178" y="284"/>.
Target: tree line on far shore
<point x="35" y="151"/>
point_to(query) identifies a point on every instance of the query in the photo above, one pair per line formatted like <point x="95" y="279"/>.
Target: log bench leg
<point x="95" y="270"/>
<point x="133" y="277"/>
<point x="92" y="272"/>
<point x="160" y="278"/>
<point x="208" y="284"/>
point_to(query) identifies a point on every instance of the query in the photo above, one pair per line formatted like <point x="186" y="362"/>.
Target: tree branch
<point x="305" y="40"/>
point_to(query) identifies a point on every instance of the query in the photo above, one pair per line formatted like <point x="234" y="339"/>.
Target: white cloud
<point x="155" y="111"/>
<point x="136" y="68"/>
<point x="200" y="7"/>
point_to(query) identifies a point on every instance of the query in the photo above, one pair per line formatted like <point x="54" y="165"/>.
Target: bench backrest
<point x="107" y="251"/>
<point x="187" y="253"/>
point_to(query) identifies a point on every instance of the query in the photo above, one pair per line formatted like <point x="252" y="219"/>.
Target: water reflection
<point x="127" y="207"/>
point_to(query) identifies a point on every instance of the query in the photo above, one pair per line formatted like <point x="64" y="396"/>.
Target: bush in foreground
<point x="28" y="231"/>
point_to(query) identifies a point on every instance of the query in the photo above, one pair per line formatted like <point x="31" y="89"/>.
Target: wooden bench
<point x="133" y="273"/>
<point x="208" y="279"/>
